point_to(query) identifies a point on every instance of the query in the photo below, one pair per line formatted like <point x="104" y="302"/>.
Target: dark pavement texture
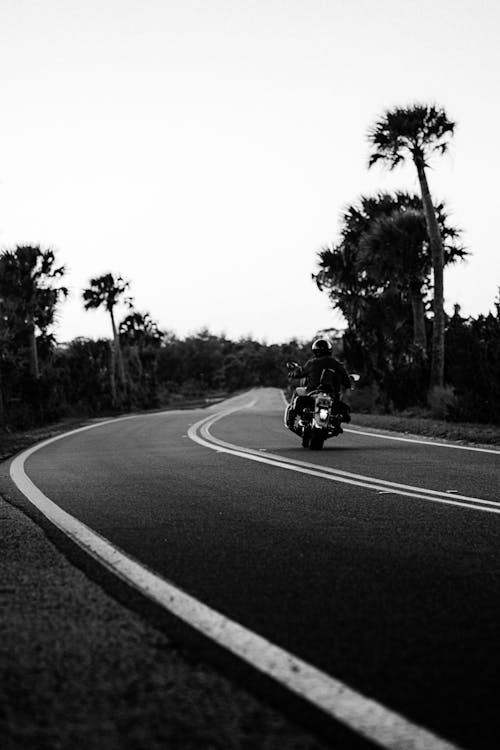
<point x="395" y="596"/>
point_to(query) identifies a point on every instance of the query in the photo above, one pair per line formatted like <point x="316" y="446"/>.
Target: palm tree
<point x="28" y="297"/>
<point x="378" y="276"/>
<point x="141" y="333"/>
<point x="394" y="248"/>
<point x="139" y="328"/>
<point x="416" y="132"/>
<point x="106" y="291"/>
<point x="397" y="245"/>
<point x="338" y="276"/>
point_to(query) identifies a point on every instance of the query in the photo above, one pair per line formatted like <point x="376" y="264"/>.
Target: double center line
<point x="200" y="433"/>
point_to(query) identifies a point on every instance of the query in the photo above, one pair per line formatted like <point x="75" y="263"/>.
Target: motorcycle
<point x="318" y="413"/>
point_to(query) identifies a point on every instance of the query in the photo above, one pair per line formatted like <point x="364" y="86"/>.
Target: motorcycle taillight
<point x="323" y="403"/>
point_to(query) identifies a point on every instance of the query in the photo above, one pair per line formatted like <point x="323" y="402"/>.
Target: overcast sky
<point x="204" y="149"/>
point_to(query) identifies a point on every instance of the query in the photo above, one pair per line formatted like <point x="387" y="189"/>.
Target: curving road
<point x="364" y="578"/>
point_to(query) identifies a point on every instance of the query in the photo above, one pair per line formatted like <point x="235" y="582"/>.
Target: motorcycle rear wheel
<point x="317" y="440"/>
<point x="306" y="437"/>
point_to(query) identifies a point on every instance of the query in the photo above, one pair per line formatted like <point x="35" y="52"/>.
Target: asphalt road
<point x="375" y="561"/>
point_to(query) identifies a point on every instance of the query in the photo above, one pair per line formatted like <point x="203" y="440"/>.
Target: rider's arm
<point x="295" y="370"/>
<point x="345" y="380"/>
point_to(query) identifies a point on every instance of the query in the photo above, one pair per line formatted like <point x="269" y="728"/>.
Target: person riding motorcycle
<point x="322" y="359"/>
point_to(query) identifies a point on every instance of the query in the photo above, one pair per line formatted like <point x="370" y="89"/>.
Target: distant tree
<point x="383" y="242"/>
<point x="416" y="132"/>
<point x="88" y="394"/>
<point x="29" y="296"/>
<point x="473" y="366"/>
<point x="140" y="329"/>
<point x="396" y="247"/>
<point x="393" y="248"/>
<point x="344" y="268"/>
<point x="107" y="291"/>
<point x="378" y="276"/>
<point x="141" y="338"/>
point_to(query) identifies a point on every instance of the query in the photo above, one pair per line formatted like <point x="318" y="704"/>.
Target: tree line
<point x="385" y="275"/>
<point x="139" y="367"/>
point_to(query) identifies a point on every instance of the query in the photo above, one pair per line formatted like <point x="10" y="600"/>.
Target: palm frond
<point x="414" y="131"/>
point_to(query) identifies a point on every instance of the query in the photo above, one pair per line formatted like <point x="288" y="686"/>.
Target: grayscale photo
<point x="249" y="375"/>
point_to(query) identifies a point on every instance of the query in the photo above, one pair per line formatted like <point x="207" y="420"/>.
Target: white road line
<point x="200" y="433"/>
<point x="363" y="715"/>
<point x="414" y="439"/>
<point x="205" y="431"/>
<point x="424" y="442"/>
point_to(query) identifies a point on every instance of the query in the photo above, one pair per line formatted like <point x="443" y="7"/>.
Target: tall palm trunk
<point x="112" y="377"/>
<point x="418" y="314"/>
<point x="34" y="366"/>
<point x="118" y="350"/>
<point x="437" y="254"/>
<point x="2" y="407"/>
<point x="136" y="354"/>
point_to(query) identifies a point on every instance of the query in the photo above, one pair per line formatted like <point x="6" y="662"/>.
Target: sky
<point x="204" y="149"/>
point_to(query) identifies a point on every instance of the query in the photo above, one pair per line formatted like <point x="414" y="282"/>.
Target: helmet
<point x="321" y="348"/>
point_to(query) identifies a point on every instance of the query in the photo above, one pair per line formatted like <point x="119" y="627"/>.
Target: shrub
<point x="365" y="398"/>
<point x="442" y="401"/>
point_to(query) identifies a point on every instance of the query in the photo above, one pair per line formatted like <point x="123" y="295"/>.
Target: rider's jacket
<point x="313" y="368"/>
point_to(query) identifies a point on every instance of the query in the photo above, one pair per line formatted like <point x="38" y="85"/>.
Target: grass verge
<point x="467" y="433"/>
<point x="14" y="442"/>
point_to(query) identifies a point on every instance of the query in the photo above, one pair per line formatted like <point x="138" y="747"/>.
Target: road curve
<point x="371" y="567"/>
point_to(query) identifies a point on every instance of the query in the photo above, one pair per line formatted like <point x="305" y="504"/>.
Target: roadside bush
<point x="473" y="367"/>
<point x="442" y="401"/>
<point x="364" y="398"/>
